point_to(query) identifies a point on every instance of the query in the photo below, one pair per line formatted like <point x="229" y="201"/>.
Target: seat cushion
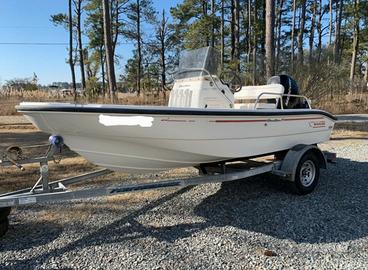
<point x="253" y="92"/>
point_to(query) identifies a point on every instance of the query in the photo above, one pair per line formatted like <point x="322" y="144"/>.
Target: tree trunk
<point x="262" y="40"/>
<point x="71" y="60"/>
<point x="102" y="71"/>
<point x="222" y="33"/>
<point x="319" y="31"/>
<point x="237" y="33"/>
<point x="80" y="44"/>
<point x="293" y="36"/>
<point x="235" y="55"/>
<point x="213" y="11"/>
<point x="139" y="47"/>
<point x="254" y="80"/>
<point x="311" y="35"/>
<point x="330" y="32"/>
<point x="355" y="40"/>
<point x="278" y="43"/>
<point x="232" y="30"/>
<point x="163" y="51"/>
<point x="301" y="33"/>
<point x="270" y="21"/>
<point x="205" y="14"/>
<point x="116" y="26"/>
<point x="108" y="49"/>
<point x="249" y="30"/>
<point x="338" y="28"/>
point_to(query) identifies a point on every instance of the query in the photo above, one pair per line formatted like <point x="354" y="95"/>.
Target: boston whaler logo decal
<point x="110" y="121"/>
<point x="317" y="124"/>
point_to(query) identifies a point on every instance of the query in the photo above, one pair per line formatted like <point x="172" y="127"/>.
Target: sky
<point x="25" y="21"/>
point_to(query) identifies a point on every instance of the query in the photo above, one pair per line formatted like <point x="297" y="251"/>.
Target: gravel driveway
<point x="229" y="226"/>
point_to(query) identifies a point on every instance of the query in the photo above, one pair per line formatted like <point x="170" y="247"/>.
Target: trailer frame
<point x="45" y="191"/>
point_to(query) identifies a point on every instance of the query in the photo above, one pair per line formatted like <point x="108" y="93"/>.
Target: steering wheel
<point x="232" y="80"/>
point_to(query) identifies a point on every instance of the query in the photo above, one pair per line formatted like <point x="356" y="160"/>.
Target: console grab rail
<point x="280" y="98"/>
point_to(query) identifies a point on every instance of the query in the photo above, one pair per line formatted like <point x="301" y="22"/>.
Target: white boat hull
<point x="156" y="142"/>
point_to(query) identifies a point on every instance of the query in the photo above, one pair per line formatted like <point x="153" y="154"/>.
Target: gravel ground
<point x="230" y="226"/>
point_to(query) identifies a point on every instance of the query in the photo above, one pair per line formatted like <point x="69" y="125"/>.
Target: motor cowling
<point x="290" y="88"/>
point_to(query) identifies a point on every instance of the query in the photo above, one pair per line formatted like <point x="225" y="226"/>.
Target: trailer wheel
<point x="4" y="213"/>
<point x="307" y="173"/>
<point x="4" y="226"/>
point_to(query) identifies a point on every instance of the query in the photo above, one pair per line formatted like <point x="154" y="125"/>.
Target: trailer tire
<point x="307" y="174"/>
<point x="4" y="213"/>
<point x="4" y="226"/>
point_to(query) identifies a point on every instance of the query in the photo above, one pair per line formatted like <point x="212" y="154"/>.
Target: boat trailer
<point x="299" y="165"/>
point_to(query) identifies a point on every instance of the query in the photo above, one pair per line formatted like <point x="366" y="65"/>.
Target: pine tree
<point x="137" y="13"/>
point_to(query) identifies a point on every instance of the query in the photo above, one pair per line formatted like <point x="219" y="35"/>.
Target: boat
<point x="210" y="118"/>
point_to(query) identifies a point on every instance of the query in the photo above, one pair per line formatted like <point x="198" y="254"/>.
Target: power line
<point x="25" y="27"/>
<point x="48" y="43"/>
<point x="35" y="43"/>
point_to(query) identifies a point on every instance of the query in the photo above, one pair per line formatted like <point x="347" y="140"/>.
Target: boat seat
<point x="247" y="96"/>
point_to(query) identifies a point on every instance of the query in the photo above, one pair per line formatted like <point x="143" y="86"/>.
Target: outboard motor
<point x="290" y="88"/>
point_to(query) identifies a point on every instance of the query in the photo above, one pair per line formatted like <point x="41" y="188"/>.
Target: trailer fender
<point x="293" y="156"/>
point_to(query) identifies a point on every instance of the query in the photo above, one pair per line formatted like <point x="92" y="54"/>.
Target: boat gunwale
<point x="123" y="109"/>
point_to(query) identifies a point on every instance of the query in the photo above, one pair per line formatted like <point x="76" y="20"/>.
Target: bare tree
<point x="139" y="47"/>
<point x="249" y="30"/>
<point x="330" y="32"/>
<point x="222" y="30"/>
<point x="108" y="49"/>
<point x="254" y="69"/>
<point x="205" y="14"/>
<point x="78" y="12"/>
<point x="102" y="60"/>
<point x="235" y="33"/>
<point x="337" y="45"/>
<point x="71" y="59"/>
<point x="301" y="32"/>
<point x="270" y="22"/>
<point x="311" y="32"/>
<point x="293" y="36"/>
<point x="320" y="30"/>
<point x="213" y="11"/>
<point x="163" y="35"/>
<point x="355" y="39"/>
<point x="279" y="26"/>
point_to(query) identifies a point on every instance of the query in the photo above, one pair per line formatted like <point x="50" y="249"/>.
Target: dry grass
<point x="363" y="127"/>
<point x="344" y="104"/>
<point x="8" y="102"/>
<point x="339" y="104"/>
<point x="23" y="127"/>
<point x="12" y="178"/>
<point x="349" y="133"/>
